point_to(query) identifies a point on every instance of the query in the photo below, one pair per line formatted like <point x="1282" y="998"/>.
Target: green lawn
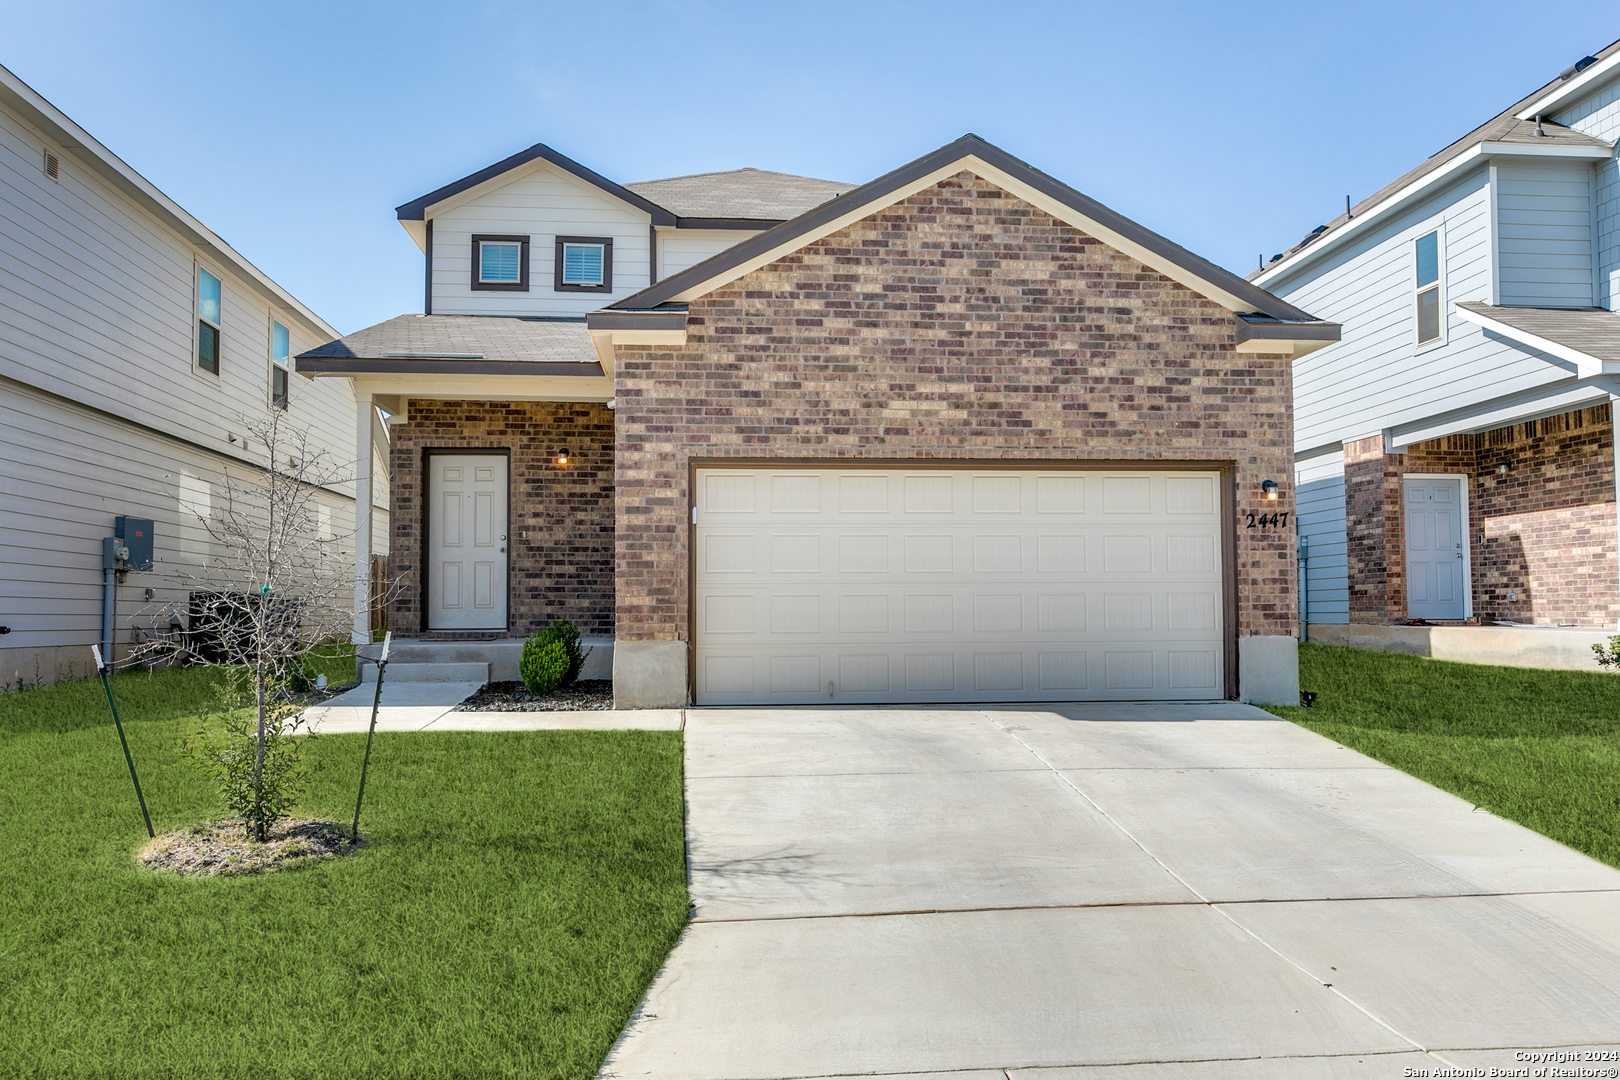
<point x="519" y="892"/>
<point x="1538" y="747"/>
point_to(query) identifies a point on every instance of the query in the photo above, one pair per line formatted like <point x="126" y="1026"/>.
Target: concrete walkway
<point x="430" y="706"/>
<point x="1144" y="892"/>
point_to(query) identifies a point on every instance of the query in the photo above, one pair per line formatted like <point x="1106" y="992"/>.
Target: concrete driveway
<point x="1119" y="892"/>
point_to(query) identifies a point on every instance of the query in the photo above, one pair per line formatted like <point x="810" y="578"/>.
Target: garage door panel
<point x="939" y="585"/>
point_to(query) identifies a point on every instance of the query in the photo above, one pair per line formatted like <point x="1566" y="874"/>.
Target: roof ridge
<point x="725" y="172"/>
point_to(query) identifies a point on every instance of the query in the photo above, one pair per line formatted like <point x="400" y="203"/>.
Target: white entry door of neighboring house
<point x="1436" y="587"/>
<point x="957" y="584"/>
<point x="466" y="565"/>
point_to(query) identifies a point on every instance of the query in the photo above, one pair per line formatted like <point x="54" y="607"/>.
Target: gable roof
<point x="414" y="210"/>
<point x="996" y="165"/>
<point x="753" y="195"/>
<point x="1507" y="128"/>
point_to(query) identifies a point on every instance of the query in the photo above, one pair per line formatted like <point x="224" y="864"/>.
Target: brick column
<point x="1366" y="520"/>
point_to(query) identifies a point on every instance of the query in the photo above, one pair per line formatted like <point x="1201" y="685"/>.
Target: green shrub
<point x="552" y="658"/>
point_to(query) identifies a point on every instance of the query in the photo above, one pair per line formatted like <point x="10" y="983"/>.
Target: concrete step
<point x="406" y="671"/>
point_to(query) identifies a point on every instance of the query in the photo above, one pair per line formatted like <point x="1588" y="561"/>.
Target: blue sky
<point x="293" y="129"/>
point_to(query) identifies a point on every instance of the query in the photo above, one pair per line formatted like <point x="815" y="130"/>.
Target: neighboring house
<point x="132" y="341"/>
<point x="957" y="434"/>
<point x="1456" y="449"/>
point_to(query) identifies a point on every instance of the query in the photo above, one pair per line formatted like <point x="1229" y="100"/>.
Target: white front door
<point x="1434" y="548"/>
<point x="957" y="584"/>
<point x="466" y="567"/>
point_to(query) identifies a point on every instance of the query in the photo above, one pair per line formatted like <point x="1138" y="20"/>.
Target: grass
<point x="518" y="893"/>
<point x="1535" y="746"/>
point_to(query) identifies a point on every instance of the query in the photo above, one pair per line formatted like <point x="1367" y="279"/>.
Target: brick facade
<point x="1541" y="535"/>
<point x="960" y="324"/>
<point x="561" y="548"/>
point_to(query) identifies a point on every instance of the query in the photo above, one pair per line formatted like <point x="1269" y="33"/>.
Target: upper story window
<point x="1427" y="249"/>
<point x="500" y="263"/>
<point x="207" y="321"/>
<point x="280" y="362"/>
<point x="584" y="264"/>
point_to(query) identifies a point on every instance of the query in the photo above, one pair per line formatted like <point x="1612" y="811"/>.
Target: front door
<point x="466" y="567"/>
<point x="1435" y="587"/>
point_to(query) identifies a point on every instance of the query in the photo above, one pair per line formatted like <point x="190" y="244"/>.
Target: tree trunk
<point x="258" y="756"/>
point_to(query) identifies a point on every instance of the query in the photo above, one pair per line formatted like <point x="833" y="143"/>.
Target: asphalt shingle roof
<point x="465" y="337"/>
<point x="1592" y="331"/>
<point x="757" y="194"/>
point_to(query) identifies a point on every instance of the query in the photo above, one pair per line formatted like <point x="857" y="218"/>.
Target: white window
<point x="280" y="361"/>
<point x="1427" y="250"/>
<point x="500" y="263"/>
<point x="207" y="321"/>
<point x="584" y="264"/>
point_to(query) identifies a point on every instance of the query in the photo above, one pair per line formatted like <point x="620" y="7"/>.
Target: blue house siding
<point x="1319" y="503"/>
<point x="1599" y="117"/>
<point x="1544" y="234"/>
<point x="1378" y="377"/>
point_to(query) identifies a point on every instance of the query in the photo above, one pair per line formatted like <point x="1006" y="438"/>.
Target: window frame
<point x="198" y="322"/>
<point x="1437" y="287"/>
<point x="478" y="242"/>
<point x="280" y="367"/>
<point x="603" y="242"/>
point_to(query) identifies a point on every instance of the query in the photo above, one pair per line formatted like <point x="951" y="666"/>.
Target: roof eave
<point x="416" y="209"/>
<point x="73" y="139"/>
<point x="1480" y="153"/>
<point x="1570" y="88"/>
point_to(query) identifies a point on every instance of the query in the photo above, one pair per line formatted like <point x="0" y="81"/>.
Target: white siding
<point x="681" y="248"/>
<point x="542" y="202"/>
<point x="1544" y="234"/>
<point x="97" y="304"/>
<point x="97" y="315"/>
<point x="67" y="472"/>
<point x="1377" y="377"/>
<point x="1598" y="115"/>
<point x="1319" y="502"/>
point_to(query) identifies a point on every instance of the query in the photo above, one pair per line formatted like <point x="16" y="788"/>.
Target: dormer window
<point x="584" y="264"/>
<point x="1427" y="250"/>
<point x="500" y="263"/>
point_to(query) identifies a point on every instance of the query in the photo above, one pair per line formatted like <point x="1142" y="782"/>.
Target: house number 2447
<point x="1268" y="521"/>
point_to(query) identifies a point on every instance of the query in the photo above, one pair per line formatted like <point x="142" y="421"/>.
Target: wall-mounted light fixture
<point x="1502" y="468"/>
<point x="563" y="455"/>
<point x="1269" y="488"/>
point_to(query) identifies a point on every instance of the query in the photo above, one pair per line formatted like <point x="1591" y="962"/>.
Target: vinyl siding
<point x="1544" y="234"/>
<point x="542" y="202"/>
<point x="68" y="471"/>
<point x="1319" y="502"/>
<point x="97" y="304"/>
<point x="681" y="248"/>
<point x="1598" y="115"/>
<point x="1377" y="377"/>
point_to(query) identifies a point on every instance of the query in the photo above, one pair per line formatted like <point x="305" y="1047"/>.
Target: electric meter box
<point x="136" y="533"/>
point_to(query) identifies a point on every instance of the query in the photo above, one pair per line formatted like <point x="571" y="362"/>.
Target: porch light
<point x="1270" y="488"/>
<point x="563" y="455"/>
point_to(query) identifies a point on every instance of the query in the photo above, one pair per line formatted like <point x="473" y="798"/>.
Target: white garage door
<point x="878" y="585"/>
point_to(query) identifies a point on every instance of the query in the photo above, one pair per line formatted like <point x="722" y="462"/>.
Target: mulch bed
<point x="219" y="848"/>
<point x="584" y="695"/>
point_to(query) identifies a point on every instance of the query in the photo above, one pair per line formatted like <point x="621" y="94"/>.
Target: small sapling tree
<point x="276" y="584"/>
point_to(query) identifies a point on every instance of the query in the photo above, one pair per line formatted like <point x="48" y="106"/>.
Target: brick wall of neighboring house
<point x="959" y="324"/>
<point x="1542" y="536"/>
<point x="561" y="547"/>
<point x="1549" y="550"/>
